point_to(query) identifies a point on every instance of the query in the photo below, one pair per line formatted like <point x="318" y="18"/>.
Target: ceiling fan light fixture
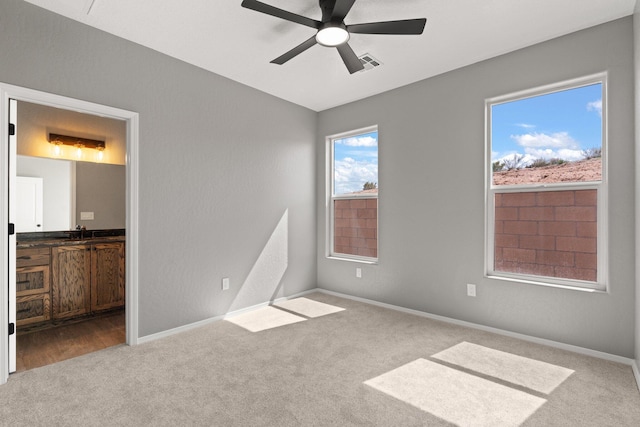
<point x="331" y="31"/>
<point x="332" y="34"/>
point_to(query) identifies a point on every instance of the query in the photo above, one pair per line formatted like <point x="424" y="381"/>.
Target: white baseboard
<point x="169" y="332"/>
<point x="190" y="326"/>
<point x="636" y="372"/>
<point x="550" y="343"/>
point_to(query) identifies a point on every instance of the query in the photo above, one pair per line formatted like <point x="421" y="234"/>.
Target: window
<point x="546" y="192"/>
<point x="353" y="197"/>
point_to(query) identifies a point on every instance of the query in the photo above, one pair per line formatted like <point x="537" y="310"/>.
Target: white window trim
<point x="330" y="198"/>
<point x="601" y="284"/>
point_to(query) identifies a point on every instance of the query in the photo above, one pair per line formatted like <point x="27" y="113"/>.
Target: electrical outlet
<point x="359" y="273"/>
<point x="86" y="216"/>
<point x="225" y="283"/>
<point x="471" y="290"/>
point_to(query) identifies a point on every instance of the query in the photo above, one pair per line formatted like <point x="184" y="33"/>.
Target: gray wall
<point x="221" y="165"/>
<point x="431" y="218"/>
<point x="101" y="189"/>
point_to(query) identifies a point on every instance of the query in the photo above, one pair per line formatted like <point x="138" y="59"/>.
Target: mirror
<point x="73" y="192"/>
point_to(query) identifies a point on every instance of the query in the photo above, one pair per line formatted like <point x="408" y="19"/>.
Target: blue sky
<point x="555" y="125"/>
<point x="355" y="162"/>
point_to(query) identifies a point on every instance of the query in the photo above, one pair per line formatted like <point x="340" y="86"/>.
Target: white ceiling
<point x="238" y="43"/>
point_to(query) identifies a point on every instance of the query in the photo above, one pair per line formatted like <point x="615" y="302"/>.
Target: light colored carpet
<point x="308" y="307"/>
<point x="303" y="374"/>
<point x="264" y="318"/>
<point x="529" y="373"/>
<point x="273" y="317"/>
<point x="455" y="396"/>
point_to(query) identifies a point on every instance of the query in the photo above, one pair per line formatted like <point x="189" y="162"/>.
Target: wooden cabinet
<point x="87" y="278"/>
<point x="71" y="267"/>
<point x="33" y="300"/>
<point x="107" y="275"/>
<point x="69" y="280"/>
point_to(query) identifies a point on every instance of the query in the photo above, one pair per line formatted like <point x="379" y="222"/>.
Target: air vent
<point x="369" y="62"/>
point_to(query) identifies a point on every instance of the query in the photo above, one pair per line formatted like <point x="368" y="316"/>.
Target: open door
<point x="13" y="125"/>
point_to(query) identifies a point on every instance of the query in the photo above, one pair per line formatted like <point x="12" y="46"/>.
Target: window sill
<point x="356" y="260"/>
<point x="548" y="284"/>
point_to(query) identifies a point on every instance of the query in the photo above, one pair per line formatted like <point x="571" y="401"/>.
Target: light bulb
<point x="79" y="152"/>
<point x="332" y="35"/>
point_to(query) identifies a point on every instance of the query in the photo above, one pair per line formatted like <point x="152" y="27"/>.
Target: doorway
<point x="66" y="307"/>
<point x="8" y="92"/>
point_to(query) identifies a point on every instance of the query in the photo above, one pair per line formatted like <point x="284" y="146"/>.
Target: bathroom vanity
<point x="65" y="275"/>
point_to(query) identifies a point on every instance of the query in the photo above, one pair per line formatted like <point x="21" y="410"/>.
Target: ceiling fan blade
<point x="295" y="51"/>
<point x="279" y="13"/>
<point x="341" y="9"/>
<point x="405" y="26"/>
<point x="349" y="58"/>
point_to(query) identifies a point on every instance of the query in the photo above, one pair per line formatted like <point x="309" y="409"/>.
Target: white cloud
<point x="559" y="145"/>
<point x="362" y="153"/>
<point x="350" y="174"/>
<point x="595" y="106"/>
<point x="518" y="160"/>
<point x="543" y="140"/>
<point x="359" y="141"/>
<point x="525" y="125"/>
<point x="548" y="153"/>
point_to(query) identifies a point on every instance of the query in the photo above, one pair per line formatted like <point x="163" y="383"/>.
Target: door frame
<point x="8" y="92"/>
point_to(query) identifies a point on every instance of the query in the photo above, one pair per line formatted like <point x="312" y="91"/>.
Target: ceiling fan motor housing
<point x="327" y="7"/>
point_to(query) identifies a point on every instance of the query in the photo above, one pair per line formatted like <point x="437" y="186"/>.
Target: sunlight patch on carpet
<point x="308" y="307"/>
<point x="264" y="318"/>
<point x="455" y="396"/>
<point x="533" y="374"/>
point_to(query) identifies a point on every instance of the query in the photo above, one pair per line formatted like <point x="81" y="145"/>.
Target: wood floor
<point x="40" y="348"/>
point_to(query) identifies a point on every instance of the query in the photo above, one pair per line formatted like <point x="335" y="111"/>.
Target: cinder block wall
<point x="547" y="233"/>
<point x="356" y="227"/>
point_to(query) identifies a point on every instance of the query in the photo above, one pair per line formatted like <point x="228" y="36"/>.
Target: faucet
<point x="81" y="230"/>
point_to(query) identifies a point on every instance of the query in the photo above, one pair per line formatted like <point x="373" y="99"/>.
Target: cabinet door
<point x="32" y="295"/>
<point x="33" y="300"/>
<point x="29" y="205"/>
<point x="32" y="280"/>
<point x="71" y="266"/>
<point x="33" y="256"/>
<point x="33" y="309"/>
<point x="107" y="276"/>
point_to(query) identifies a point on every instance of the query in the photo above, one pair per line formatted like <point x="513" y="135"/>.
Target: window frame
<point x="601" y="187"/>
<point x="331" y="198"/>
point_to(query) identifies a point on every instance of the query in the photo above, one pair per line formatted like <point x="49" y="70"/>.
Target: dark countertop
<point x="68" y="238"/>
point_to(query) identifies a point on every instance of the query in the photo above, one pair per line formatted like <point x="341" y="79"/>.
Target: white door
<point x="29" y="199"/>
<point x="13" y="139"/>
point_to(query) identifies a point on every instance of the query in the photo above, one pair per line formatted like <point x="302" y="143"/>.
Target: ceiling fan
<point x="333" y="32"/>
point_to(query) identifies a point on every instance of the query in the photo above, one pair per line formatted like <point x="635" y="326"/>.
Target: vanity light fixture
<point x="77" y="142"/>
